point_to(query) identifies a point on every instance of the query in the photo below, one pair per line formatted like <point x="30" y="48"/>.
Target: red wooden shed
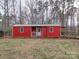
<point x="34" y="31"/>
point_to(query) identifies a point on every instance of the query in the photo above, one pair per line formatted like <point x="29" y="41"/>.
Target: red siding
<point x="44" y="32"/>
<point x="17" y="33"/>
<point x="55" y="33"/>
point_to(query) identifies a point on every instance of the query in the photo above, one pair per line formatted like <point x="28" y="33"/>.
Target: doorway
<point x="36" y="31"/>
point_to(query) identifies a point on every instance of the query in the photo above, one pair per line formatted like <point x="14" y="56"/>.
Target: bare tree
<point x="31" y="4"/>
<point x="5" y="4"/>
<point x="13" y="10"/>
<point x="46" y="11"/>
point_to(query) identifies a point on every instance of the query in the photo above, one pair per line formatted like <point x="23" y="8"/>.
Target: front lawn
<point x="39" y="49"/>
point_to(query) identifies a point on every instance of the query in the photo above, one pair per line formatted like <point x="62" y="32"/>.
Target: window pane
<point x="33" y="29"/>
<point x="51" y="29"/>
<point x="21" y="29"/>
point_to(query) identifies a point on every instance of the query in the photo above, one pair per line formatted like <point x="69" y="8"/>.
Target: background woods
<point x="40" y="12"/>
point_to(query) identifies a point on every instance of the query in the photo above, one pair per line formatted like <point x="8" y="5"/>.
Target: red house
<point x="34" y="31"/>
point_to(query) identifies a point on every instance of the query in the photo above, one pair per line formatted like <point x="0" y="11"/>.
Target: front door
<point x="38" y="31"/>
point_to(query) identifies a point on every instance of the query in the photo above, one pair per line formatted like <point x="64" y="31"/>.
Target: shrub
<point x="1" y="33"/>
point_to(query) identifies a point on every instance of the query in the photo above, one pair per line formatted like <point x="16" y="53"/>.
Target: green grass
<point x="39" y="49"/>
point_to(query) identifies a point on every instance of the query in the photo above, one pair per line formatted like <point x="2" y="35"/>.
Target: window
<point x="21" y="29"/>
<point x="33" y="29"/>
<point x="39" y="30"/>
<point x="51" y="29"/>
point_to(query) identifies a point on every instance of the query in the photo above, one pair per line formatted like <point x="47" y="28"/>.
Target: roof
<point x="37" y="25"/>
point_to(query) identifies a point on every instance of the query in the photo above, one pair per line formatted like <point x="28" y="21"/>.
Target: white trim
<point x="0" y="20"/>
<point x="60" y="32"/>
<point x="51" y="28"/>
<point x="21" y="29"/>
<point x="37" y="25"/>
<point x="12" y="32"/>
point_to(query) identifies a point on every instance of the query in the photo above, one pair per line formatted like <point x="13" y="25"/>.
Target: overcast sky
<point x="76" y="4"/>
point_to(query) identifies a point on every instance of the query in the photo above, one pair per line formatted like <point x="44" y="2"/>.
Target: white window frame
<point x="21" y="29"/>
<point x="51" y="29"/>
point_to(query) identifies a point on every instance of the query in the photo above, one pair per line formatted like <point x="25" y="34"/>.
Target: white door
<point x="38" y="31"/>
